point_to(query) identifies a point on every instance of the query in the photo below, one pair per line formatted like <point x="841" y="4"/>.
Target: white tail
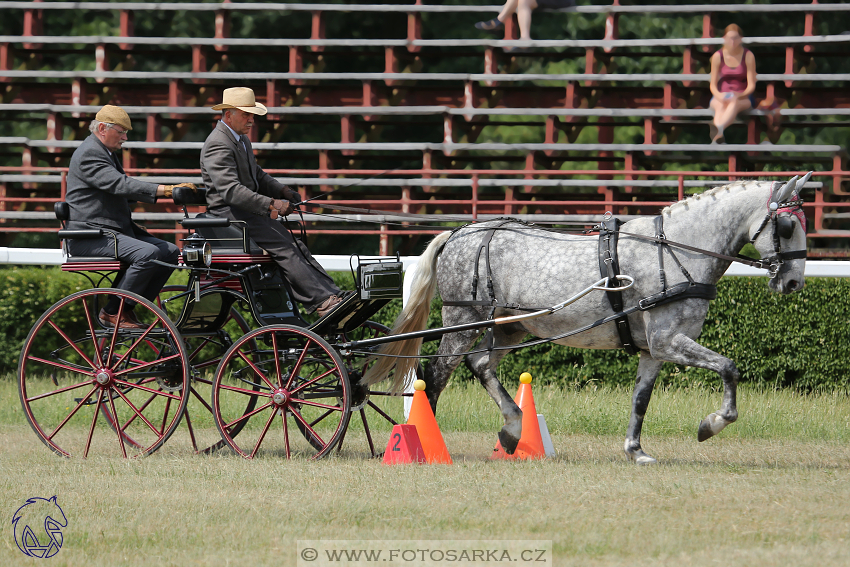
<point x="414" y="317"/>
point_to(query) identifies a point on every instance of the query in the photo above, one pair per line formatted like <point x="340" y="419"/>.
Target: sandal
<point x="490" y="25"/>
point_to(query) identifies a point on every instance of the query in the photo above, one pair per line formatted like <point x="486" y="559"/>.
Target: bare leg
<point x="730" y="111"/>
<point x="648" y="369"/>
<point x="523" y="15"/>
<point x="508" y="10"/>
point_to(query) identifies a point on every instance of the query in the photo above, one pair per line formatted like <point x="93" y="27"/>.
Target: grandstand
<point x="405" y="108"/>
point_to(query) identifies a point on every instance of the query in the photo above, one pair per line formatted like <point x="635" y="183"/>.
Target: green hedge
<point x="800" y="340"/>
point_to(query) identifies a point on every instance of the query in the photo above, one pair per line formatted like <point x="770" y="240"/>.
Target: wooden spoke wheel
<point x="371" y="403"/>
<point x="302" y="391"/>
<point x="86" y="387"/>
<point x="206" y="349"/>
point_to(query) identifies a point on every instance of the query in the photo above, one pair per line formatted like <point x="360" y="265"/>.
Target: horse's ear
<point x="802" y="183"/>
<point x="785" y="191"/>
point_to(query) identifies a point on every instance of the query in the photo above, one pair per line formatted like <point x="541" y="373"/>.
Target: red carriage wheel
<point x="370" y="403"/>
<point x="85" y="387"/>
<point x="302" y="391"/>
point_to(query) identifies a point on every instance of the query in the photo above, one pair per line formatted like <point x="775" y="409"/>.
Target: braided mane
<point x="668" y="210"/>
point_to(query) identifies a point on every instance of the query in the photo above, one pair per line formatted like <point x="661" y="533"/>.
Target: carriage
<point x="288" y="385"/>
<point x="230" y="347"/>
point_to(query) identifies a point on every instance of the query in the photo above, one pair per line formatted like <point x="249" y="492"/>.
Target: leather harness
<point x="609" y="267"/>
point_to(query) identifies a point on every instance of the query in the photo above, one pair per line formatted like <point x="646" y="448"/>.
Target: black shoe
<point x="493" y="25"/>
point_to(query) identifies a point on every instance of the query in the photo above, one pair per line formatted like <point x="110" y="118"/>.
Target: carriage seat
<point x="93" y="263"/>
<point x="224" y="238"/>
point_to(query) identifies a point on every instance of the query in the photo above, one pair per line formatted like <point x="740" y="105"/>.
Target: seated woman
<point x="733" y="81"/>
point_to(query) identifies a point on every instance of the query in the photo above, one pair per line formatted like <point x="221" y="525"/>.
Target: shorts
<point x="555" y="4"/>
<point x="752" y="101"/>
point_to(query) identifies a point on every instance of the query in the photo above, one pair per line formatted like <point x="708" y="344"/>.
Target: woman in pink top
<point x="733" y="81"/>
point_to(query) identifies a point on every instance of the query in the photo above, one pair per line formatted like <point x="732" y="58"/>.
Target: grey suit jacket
<point x="99" y="190"/>
<point x="232" y="176"/>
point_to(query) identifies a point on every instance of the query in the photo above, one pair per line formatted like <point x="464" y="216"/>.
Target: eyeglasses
<point x="120" y="131"/>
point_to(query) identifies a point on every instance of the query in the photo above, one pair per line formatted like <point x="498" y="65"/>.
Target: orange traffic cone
<point x="531" y="443"/>
<point x="426" y="426"/>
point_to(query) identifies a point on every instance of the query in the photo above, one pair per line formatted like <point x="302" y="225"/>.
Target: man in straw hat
<point x="99" y="195"/>
<point x="239" y="189"/>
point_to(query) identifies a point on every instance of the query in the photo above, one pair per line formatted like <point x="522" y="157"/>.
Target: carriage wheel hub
<point x="103" y="377"/>
<point x="280" y="397"/>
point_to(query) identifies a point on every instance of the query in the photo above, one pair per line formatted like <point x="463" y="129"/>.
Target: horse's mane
<point x="717" y="191"/>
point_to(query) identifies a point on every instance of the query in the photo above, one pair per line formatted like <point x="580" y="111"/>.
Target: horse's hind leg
<point x="483" y="366"/>
<point x="648" y="369"/>
<point x="438" y="370"/>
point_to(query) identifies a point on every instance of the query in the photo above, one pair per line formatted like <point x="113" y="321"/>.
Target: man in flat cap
<point x="99" y="195"/>
<point x="238" y="189"/>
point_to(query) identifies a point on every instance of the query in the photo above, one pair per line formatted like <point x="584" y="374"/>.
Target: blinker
<point x="785" y="226"/>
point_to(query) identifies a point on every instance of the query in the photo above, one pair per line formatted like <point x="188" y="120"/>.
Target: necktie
<point x="250" y="166"/>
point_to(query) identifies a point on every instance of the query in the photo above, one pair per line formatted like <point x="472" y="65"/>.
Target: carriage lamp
<point x="197" y="252"/>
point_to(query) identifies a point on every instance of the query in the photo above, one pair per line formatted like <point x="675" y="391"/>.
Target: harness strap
<point x="609" y="267"/>
<point x="482" y="303"/>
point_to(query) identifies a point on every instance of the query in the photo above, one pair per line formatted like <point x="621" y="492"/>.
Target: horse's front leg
<point x="648" y="369"/>
<point x="684" y="350"/>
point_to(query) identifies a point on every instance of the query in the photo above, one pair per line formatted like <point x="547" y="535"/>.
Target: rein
<point x="771" y="263"/>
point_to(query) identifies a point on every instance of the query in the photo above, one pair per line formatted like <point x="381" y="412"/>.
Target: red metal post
<point x="317" y="30"/>
<point x="33" y="25"/>
<point x="222" y="26"/>
<point x="707" y="31"/>
<point x="475" y="196"/>
<point x="612" y="31"/>
<point x="414" y="29"/>
<point x="154" y="132"/>
<point x="296" y="64"/>
<point x="390" y="63"/>
<point x="448" y="129"/>
<point x="7" y="59"/>
<point x="127" y="28"/>
<point x="199" y="62"/>
<point x="809" y="28"/>
<point x="101" y="60"/>
<point x="789" y="64"/>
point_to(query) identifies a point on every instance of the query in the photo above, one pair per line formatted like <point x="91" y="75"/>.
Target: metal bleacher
<point x="584" y="142"/>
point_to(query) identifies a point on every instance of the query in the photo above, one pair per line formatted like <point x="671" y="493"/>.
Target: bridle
<point x="783" y="227"/>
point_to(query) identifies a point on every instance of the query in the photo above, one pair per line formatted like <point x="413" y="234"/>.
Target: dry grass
<point x="772" y="489"/>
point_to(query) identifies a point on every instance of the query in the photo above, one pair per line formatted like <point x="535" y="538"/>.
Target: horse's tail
<point x="414" y="317"/>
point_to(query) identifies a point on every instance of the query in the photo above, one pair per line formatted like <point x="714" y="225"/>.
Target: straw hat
<point x="113" y="115"/>
<point x="241" y="98"/>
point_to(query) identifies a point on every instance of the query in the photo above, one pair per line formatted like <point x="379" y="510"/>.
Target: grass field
<point x="772" y="489"/>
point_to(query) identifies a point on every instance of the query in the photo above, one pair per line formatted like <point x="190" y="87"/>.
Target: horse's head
<point x="780" y="237"/>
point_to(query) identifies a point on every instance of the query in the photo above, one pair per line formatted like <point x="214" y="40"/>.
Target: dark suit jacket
<point x="99" y="190"/>
<point x="232" y="176"/>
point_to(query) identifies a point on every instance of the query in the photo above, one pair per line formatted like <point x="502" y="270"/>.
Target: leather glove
<point x="278" y="207"/>
<point x="169" y="189"/>
<point x="292" y="195"/>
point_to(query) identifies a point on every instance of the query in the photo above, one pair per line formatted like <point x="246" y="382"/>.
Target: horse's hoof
<point x="638" y="457"/>
<point x="710" y="426"/>
<point x="508" y="441"/>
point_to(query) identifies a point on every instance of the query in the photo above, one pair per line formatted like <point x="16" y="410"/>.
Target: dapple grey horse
<point x="538" y="267"/>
